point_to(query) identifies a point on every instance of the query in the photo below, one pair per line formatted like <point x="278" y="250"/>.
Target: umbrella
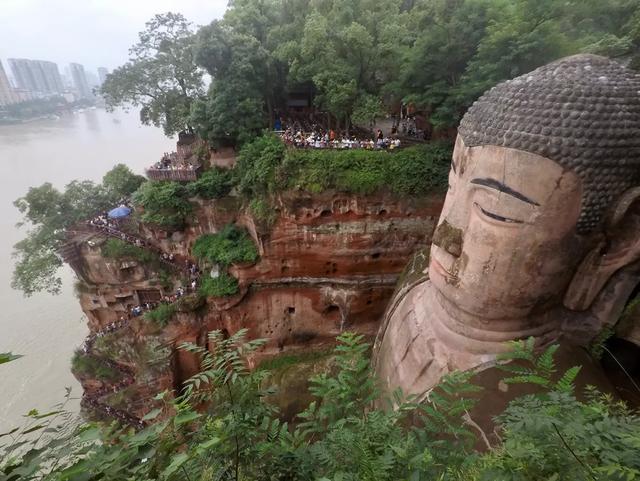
<point x="119" y="212"/>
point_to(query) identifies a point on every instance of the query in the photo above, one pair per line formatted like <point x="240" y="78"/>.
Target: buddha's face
<point x="506" y="243"/>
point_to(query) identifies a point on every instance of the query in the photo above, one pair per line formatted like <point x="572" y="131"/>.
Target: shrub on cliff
<point x="85" y="365"/>
<point x="265" y="167"/>
<point x="232" y="245"/>
<point x="222" y="286"/>
<point x="120" y="250"/>
<point x="412" y="171"/>
<point x="213" y="184"/>
<point x="258" y="166"/>
<point x="165" y="204"/>
<point x="161" y="315"/>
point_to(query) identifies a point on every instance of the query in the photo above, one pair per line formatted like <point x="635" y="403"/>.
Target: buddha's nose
<point x="449" y="238"/>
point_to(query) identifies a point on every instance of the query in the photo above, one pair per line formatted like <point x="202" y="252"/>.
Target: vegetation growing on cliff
<point x="164" y="204"/>
<point x="162" y="314"/>
<point x="91" y="367"/>
<point x="266" y="167"/>
<point x="344" y="434"/>
<point x="222" y="286"/>
<point x="213" y="184"/>
<point x="232" y="245"/>
<point x="119" y="250"/>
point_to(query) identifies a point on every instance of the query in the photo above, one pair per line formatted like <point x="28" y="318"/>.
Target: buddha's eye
<point x="497" y="217"/>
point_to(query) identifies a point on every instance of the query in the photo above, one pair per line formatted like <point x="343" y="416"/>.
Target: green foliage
<point x="40" y="447"/>
<point x="119" y="250"/>
<point x="265" y="167"/>
<point x="8" y="357"/>
<point x="284" y="361"/>
<point x="161" y="315"/>
<point x="92" y="367"/>
<point x="165" y="203"/>
<point x="48" y="212"/>
<point x="552" y="435"/>
<point x="228" y="115"/>
<point x="121" y="182"/>
<point x="232" y="245"/>
<point x="257" y="165"/>
<point x="262" y="211"/>
<point x="213" y="184"/>
<point x="248" y="78"/>
<point x="597" y="345"/>
<point x="438" y="55"/>
<point x="160" y="77"/>
<point x="223" y="427"/>
<point x="222" y="286"/>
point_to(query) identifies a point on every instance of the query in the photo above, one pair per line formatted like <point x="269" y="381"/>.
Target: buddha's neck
<point x="464" y="331"/>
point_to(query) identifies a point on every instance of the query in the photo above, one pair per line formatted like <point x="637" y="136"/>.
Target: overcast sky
<point x="95" y="33"/>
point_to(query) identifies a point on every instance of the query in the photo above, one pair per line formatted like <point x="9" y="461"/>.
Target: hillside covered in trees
<point x="358" y="58"/>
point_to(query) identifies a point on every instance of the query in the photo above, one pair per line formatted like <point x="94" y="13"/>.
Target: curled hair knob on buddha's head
<point x="582" y="112"/>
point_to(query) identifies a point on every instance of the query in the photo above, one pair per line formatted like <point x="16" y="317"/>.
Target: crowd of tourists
<point x="329" y="139"/>
<point x="102" y="220"/>
<point x="124" y="417"/>
<point x="172" y="161"/>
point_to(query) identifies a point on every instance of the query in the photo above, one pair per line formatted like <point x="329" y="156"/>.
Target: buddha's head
<point x="542" y="191"/>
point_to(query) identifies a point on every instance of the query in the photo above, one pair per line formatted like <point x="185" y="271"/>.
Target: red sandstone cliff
<point x="328" y="263"/>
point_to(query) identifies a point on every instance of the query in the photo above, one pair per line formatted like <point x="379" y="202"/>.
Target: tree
<point x="49" y="212"/>
<point x="164" y="203"/>
<point x="248" y="80"/>
<point x="161" y="76"/>
<point x="121" y="182"/>
<point x="447" y="34"/>
<point x="350" y="51"/>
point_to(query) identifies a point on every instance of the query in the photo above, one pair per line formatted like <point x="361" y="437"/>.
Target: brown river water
<point x="46" y="329"/>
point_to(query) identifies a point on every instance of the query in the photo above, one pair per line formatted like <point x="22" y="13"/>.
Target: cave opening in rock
<point x="332" y="310"/>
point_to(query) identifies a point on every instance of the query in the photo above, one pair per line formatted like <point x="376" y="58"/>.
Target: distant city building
<point x="37" y="76"/>
<point x="52" y="76"/>
<point x="102" y="73"/>
<point x="80" y="80"/>
<point x="24" y="95"/>
<point x="92" y="79"/>
<point x="7" y="94"/>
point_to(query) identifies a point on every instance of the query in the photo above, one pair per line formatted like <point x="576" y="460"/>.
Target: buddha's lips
<point x="435" y="265"/>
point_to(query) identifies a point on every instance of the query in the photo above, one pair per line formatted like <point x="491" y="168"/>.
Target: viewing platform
<point x="177" y="174"/>
<point x="182" y="165"/>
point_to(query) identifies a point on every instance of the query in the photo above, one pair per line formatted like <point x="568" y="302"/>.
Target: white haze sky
<point x="95" y="33"/>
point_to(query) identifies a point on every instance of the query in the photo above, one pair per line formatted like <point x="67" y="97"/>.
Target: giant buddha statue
<point x="540" y="230"/>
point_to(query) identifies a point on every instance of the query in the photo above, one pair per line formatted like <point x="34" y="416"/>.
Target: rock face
<point x="328" y="262"/>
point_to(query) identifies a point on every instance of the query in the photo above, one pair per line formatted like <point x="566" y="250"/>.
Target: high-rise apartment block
<point x="7" y="94"/>
<point x="102" y="74"/>
<point x="38" y="76"/>
<point x="80" y="80"/>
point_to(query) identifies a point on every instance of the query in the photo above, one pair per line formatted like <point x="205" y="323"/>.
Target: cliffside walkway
<point x="93" y="400"/>
<point x="109" y="231"/>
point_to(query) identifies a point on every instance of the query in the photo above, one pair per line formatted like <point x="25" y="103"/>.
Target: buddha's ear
<point x="619" y="248"/>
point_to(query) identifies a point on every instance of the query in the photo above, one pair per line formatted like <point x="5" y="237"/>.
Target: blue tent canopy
<point x="119" y="212"/>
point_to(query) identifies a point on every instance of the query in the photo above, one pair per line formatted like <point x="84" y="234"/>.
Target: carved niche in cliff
<point x="540" y="231"/>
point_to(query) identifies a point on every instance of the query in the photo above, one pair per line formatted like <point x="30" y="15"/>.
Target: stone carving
<point x="539" y="233"/>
